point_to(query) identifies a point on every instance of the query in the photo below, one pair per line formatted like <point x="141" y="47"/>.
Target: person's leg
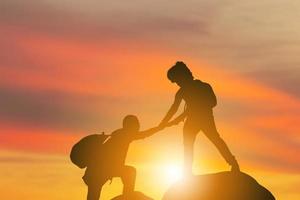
<point x="189" y="135"/>
<point x="211" y="132"/>
<point x="128" y="176"/>
<point x="94" y="192"/>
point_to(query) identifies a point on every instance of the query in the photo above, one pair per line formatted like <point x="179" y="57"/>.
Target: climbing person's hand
<point x="173" y="122"/>
<point x="162" y="125"/>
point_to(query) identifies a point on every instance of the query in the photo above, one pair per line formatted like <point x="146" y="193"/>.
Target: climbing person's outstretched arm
<point x="148" y="132"/>
<point x="173" y="109"/>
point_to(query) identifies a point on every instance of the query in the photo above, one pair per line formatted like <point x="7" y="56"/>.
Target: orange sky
<point x="67" y="71"/>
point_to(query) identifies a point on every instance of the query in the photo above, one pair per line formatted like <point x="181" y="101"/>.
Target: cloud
<point x="69" y="111"/>
<point x="55" y="109"/>
<point x="284" y="78"/>
<point x="26" y="159"/>
<point x="88" y="24"/>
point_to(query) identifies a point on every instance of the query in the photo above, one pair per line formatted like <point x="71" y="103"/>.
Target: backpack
<point x="208" y="95"/>
<point x="84" y="150"/>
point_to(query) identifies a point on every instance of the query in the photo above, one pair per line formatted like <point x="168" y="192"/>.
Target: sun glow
<point x="173" y="173"/>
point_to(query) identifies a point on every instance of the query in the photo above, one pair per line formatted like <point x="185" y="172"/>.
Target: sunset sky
<point x="72" y="68"/>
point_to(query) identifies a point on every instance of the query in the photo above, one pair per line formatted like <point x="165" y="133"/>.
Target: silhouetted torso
<point x="198" y="106"/>
<point x="118" y="145"/>
<point x="113" y="157"/>
<point x="110" y="162"/>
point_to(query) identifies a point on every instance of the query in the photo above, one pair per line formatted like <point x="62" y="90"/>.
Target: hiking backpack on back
<point x="207" y="94"/>
<point x="86" y="148"/>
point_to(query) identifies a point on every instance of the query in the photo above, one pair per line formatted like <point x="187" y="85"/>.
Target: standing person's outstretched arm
<point x="173" y="109"/>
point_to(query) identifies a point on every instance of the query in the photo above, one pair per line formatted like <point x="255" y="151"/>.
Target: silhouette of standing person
<point x="200" y="100"/>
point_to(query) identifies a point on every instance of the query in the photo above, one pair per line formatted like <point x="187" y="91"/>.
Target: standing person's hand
<point x="174" y="122"/>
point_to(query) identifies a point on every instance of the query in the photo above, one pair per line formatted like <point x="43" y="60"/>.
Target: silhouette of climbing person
<point x="198" y="114"/>
<point x="112" y="163"/>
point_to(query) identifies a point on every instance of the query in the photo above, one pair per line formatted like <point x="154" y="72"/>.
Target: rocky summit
<point x="218" y="186"/>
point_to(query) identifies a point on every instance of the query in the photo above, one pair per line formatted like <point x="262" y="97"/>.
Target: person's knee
<point x="93" y="192"/>
<point x="187" y="129"/>
<point x="216" y="139"/>
<point x="131" y="171"/>
<point x="187" y="142"/>
<point x="188" y="138"/>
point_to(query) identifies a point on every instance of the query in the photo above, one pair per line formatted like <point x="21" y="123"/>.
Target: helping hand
<point x="173" y="123"/>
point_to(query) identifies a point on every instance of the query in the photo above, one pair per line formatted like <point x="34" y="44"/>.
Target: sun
<point x="173" y="173"/>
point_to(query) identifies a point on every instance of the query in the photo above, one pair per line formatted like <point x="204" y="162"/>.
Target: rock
<point x="134" y="196"/>
<point x="219" y="186"/>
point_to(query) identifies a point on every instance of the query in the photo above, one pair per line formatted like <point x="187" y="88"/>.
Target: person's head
<point x="180" y="74"/>
<point x="131" y="123"/>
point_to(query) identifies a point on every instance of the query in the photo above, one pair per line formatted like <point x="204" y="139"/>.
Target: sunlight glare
<point x="173" y="173"/>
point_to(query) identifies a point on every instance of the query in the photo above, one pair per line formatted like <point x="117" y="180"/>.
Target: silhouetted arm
<point x="173" y="109"/>
<point x="178" y="119"/>
<point x="148" y="132"/>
